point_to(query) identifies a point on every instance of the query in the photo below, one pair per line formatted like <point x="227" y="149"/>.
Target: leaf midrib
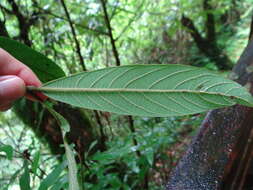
<point x="58" y="89"/>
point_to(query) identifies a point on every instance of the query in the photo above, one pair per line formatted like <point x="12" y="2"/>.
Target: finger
<point x="11" y="88"/>
<point x="5" y="106"/>
<point x="11" y="66"/>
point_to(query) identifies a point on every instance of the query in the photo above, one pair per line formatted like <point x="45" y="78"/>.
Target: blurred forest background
<point x="112" y="151"/>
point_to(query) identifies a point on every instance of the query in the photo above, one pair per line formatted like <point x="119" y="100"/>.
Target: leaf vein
<point x="120" y="75"/>
<point x="138" y="106"/>
<point x="101" y="77"/>
<point x="114" y="105"/>
<point x="145" y="74"/>
<point x="173" y="100"/>
<point x="212" y="102"/>
<point x="168" y="76"/>
<point x="198" y="105"/>
<point x="192" y="78"/>
<point x="159" y="104"/>
<point x="217" y="84"/>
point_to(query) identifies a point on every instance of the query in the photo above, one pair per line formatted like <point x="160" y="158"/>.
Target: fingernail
<point x="11" y="87"/>
<point x="3" y="78"/>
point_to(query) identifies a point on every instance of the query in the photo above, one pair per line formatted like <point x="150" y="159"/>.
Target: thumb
<point x="11" y="88"/>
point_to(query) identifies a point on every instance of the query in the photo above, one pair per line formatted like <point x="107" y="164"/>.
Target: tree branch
<point x="3" y="30"/>
<point x="81" y="59"/>
<point x="76" y="24"/>
<point x="6" y="9"/>
<point x="24" y="23"/>
<point x="251" y="30"/>
<point x="132" y="129"/>
<point x="101" y="130"/>
<point x="145" y="184"/>
<point x="209" y="48"/>
<point x="78" y="48"/>
<point x="108" y="24"/>
<point x="210" y="22"/>
<point x="188" y="23"/>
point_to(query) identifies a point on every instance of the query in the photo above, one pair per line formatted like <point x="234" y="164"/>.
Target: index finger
<point x="11" y="66"/>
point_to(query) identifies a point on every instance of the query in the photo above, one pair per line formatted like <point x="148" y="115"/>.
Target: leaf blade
<point x="52" y="177"/>
<point x="35" y="163"/>
<point x="24" y="181"/>
<point x="72" y="165"/>
<point x="42" y="66"/>
<point x="148" y="90"/>
<point x="8" y="151"/>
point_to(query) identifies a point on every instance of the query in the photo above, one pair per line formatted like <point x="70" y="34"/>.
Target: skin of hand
<point x="14" y="77"/>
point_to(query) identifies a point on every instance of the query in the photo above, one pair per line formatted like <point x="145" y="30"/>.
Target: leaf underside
<point x="148" y="90"/>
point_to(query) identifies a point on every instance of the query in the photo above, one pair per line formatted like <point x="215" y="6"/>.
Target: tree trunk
<point x="221" y="154"/>
<point x="208" y="46"/>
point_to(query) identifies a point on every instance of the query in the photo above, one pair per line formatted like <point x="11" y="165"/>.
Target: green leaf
<point x="61" y="183"/>
<point x="148" y="90"/>
<point x="73" y="181"/>
<point x="43" y="67"/>
<point x="149" y="153"/>
<point x="65" y="128"/>
<point x="72" y="166"/>
<point x="24" y="181"/>
<point x="8" y="151"/>
<point x="52" y="177"/>
<point x="35" y="164"/>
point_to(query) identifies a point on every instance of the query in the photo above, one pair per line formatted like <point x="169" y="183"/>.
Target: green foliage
<point x="43" y="67"/>
<point x="25" y="178"/>
<point x="120" y="164"/>
<point x="148" y="90"/>
<point x="73" y="181"/>
<point x="8" y="150"/>
<point x="145" y="31"/>
<point x="53" y="177"/>
<point x="36" y="162"/>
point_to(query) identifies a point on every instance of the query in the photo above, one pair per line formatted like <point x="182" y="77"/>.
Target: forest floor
<point x="171" y="156"/>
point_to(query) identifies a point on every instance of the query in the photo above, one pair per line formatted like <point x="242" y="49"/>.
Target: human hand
<point x="14" y="77"/>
